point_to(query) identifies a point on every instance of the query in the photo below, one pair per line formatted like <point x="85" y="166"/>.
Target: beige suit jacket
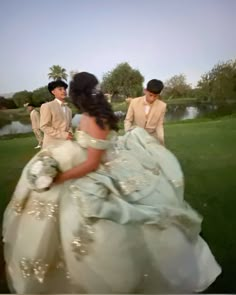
<point x="152" y="123"/>
<point x="35" y="119"/>
<point x="55" y="123"/>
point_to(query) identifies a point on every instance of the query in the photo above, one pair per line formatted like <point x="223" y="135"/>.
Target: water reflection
<point x="75" y="121"/>
<point x="174" y="113"/>
<point x="15" y="127"/>
<point x="179" y="113"/>
<point x="182" y="112"/>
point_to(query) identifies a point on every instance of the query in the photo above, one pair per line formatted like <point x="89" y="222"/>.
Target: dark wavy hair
<point x="88" y="99"/>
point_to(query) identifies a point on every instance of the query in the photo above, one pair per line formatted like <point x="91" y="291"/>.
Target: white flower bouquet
<point x="41" y="172"/>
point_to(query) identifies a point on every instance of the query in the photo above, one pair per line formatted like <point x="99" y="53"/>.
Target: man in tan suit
<point x="148" y="111"/>
<point x="56" y="116"/>
<point x="35" y="122"/>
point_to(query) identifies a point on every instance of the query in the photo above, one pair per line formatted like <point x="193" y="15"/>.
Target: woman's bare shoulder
<point x="89" y="125"/>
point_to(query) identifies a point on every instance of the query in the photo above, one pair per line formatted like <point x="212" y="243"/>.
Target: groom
<point x="56" y="116"/>
<point x="148" y="111"/>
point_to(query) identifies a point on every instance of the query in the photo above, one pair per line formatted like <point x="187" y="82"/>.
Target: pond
<point x="16" y="127"/>
<point x="174" y="113"/>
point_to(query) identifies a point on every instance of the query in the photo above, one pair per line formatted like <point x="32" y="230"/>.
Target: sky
<point x="160" y="38"/>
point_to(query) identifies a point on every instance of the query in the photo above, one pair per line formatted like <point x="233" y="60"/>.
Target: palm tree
<point x="57" y="73"/>
<point x="72" y="73"/>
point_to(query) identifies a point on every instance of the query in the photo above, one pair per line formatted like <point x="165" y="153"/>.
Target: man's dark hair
<point x="155" y="86"/>
<point x="58" y="83"/>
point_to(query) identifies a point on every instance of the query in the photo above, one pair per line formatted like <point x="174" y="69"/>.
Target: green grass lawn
<point x="207" y="153"/>
<point x="14" y="153"/>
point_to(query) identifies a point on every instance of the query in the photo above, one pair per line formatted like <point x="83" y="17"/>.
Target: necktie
<point x="63" y="105"/>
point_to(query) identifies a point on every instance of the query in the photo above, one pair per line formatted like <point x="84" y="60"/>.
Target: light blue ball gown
<point x="124" y="228"/>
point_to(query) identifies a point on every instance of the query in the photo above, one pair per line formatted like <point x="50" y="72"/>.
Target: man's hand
<point x="162" y="142"/>
<point x="70" y="136"/>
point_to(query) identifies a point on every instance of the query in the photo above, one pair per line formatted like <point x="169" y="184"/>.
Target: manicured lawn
<point x="207" y="152"/>
<point x="14" y="153"/>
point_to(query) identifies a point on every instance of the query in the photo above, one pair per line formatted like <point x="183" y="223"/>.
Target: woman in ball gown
<point x="114" y="220"/>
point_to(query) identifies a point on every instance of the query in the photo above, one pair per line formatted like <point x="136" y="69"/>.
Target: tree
<point x="123" y="81"/>
<point x="22" y="97"/>
<point x="176" y="87"/>
<point x="41" y="95"/>
<point x="219" y="83"/>
<point x="7" y="103"/>
<point x="57" y="73"/>
<point x="72" y="73"/>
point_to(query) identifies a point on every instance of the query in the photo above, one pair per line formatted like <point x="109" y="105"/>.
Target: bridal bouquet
<point x="41" y="172"/>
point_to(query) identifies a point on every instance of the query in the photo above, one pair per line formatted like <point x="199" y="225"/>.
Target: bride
<point x="114" y="220"/>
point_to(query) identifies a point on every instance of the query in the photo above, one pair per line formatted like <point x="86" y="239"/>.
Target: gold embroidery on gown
<point x="41" y="209"/>
<point x="33" y="268"/>
<point x="81" y="240"/>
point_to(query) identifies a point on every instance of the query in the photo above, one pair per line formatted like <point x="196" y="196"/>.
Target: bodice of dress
<point x="85" y="140"/>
